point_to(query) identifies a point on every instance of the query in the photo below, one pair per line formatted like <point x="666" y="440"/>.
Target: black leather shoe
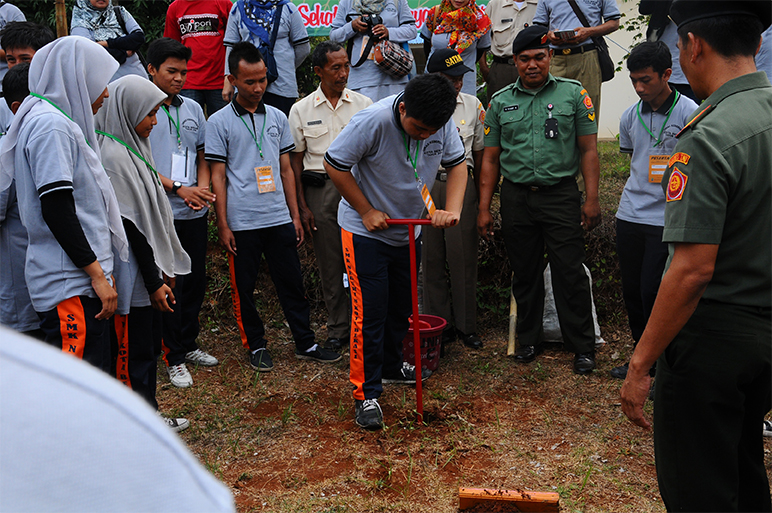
<point x="584" y="363"/>
<point x="619" y="372"/>
<point x="472" y="341"/>
<point x="335" y="344"/>
<point x="527" y="354"/>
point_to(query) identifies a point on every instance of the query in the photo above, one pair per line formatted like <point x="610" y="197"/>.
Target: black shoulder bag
<point x="267" y="49"/>
<point x="607" y="67"/>
<point x="122" y="23"/>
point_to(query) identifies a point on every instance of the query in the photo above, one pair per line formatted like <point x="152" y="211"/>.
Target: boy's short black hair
<point x="431" y="99"/>
<point x="319" y="57"/>
<point x="25" y="34"/>
<point x="730" y="36"/>
<point x="650" y="53"/>
<point x="165" y="48"/>
<point x="243" y="51"/>
<point x="16" y="84"/>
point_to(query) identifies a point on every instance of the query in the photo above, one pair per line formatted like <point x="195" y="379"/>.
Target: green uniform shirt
<point x="718" y="188"/>
<point x="515" y="122"/>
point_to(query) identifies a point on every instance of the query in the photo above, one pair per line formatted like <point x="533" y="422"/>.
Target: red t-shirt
<point x="200" y="25"/>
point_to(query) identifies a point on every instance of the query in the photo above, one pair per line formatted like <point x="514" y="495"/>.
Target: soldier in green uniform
<point x="539" y="133"/>
<point x="710" y="327"/>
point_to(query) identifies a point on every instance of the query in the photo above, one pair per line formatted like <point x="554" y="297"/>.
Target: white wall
<point x="617" y="94"/>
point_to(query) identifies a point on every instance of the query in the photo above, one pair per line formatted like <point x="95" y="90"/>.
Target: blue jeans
<point x="209" y="99"/>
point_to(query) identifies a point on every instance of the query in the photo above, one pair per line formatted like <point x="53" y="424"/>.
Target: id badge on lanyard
<point x="426" y="196"/>
<point x="182" y="166"/>
<point x="264" y="174"/>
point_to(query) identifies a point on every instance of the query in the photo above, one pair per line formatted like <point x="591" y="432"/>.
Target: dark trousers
<point x="713" y="389"/>
<point x="278" y="244"/>
<point x="71" y="327"/>
<point x="181" y="327"/>
<point x="136" y="342"/>
<point x="642" y="257"/>
<point x="530" y="221"/>
<point x="379" y="281"/>
<point x="210" y="99"/>
<point x="282" y="103"/>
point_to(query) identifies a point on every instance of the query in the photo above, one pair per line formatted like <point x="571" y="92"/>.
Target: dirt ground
<point x="286" y="440"/>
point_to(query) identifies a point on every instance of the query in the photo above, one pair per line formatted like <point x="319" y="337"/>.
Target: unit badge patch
<point x="587" y="102"/>
<point x="676" y="185"/>
<point x="683" y="158"/>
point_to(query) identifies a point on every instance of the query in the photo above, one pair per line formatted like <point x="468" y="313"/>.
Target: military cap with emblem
<point x="447" y="61"/>
<point x="686" y="11"/>
<point x="530" y="38"/>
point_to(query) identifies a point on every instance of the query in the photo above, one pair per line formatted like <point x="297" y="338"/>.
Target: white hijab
<point x="141" y="197"/>
<point x="71" y="73"/>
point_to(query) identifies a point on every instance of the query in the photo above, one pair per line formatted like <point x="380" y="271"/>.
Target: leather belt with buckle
<point x="543" y="188"/>
<point x="503" y="60"/>
<point x="578" y="49"/>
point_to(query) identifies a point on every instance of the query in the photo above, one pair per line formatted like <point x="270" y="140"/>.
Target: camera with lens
<point x="372" y="20"/>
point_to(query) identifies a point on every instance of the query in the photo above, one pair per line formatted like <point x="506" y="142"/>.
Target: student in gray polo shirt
<point x="65" y="199"/>
<point x="247" y="146"/>
<point x="16" y="309"/>
<point x="647" y="131"/>
<point x="384" y="164"/>
<point x="178" y="151"/>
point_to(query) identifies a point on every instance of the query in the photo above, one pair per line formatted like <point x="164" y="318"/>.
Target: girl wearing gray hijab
<point x="156" y="255"/>
<point x="65" y="199"/>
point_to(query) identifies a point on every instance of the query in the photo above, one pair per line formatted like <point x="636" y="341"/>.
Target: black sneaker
<point x="336" y="344"/>
<point x="319" y="354"/>
<point x="619" y="372"/>
<point x="368" y="414"/>
<point x="406" y="375"/>
<point x="261" y="360"/>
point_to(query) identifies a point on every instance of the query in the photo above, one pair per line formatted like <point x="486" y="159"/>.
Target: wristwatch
<point x="176" y="186"/>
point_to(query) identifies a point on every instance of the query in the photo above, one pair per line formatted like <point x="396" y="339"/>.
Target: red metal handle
<point x="408" y="221"/>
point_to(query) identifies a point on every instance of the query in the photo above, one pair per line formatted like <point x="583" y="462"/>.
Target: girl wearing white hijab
<point x="65" y="199"/>
<point x="123" y="127"/>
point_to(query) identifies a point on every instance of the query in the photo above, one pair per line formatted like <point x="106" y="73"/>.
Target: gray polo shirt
<point x="642" y="200"/>
<point x="469" y="56"/>
<point x="372" y="148"/>
<point x="558" y="15"/>
<point x="292" y="33"/>
<point x="16" y="309"/>
<point x="188" y="115"/>
<point x="401" y="24"/>
<point x="228" y="140"/>
<point x="47" y="159"/>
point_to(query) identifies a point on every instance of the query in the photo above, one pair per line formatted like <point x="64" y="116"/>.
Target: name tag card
<point x="264" y="176"/>
<point x="183" y="167"/>
<point x="657" y="167"/>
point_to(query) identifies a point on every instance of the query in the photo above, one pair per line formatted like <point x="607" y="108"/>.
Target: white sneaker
<point x="179" y="376"/>
<point x="201" y="358"/>
<point x="176" y="425"/>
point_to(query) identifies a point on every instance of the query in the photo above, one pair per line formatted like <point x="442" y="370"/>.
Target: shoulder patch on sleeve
<point x="591" y="116"/>
<point x="481" y="113"/>
<point x="587" y="102"/>
<point x="676" y="185"/>
<point x="681" y="157"/>
<point x="487" y="130"/>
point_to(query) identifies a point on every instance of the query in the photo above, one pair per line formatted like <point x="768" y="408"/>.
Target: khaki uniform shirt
<point x="515" y="122"/>
<point x="469" y="117"/>
<point x="718" y="188"/>
<point x="314" y="123"/>
<point x="506" y="21"/>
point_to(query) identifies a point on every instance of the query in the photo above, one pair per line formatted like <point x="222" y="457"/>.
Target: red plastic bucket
<point x="430" y="330"/>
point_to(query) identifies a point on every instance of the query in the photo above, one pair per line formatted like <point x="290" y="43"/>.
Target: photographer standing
<point x="357" y="22"/>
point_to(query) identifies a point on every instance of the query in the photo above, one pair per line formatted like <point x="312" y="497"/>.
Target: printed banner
<point x="318" y="17"/>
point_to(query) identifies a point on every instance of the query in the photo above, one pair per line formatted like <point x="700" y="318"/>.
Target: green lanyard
<point x="135" y="152"/>
<point x="262" y="131"/>
<point x="59" y="109"/>
<point x="414" y="158"/>
<point x="176" y="126"/>
<point x="669" y="112"/>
